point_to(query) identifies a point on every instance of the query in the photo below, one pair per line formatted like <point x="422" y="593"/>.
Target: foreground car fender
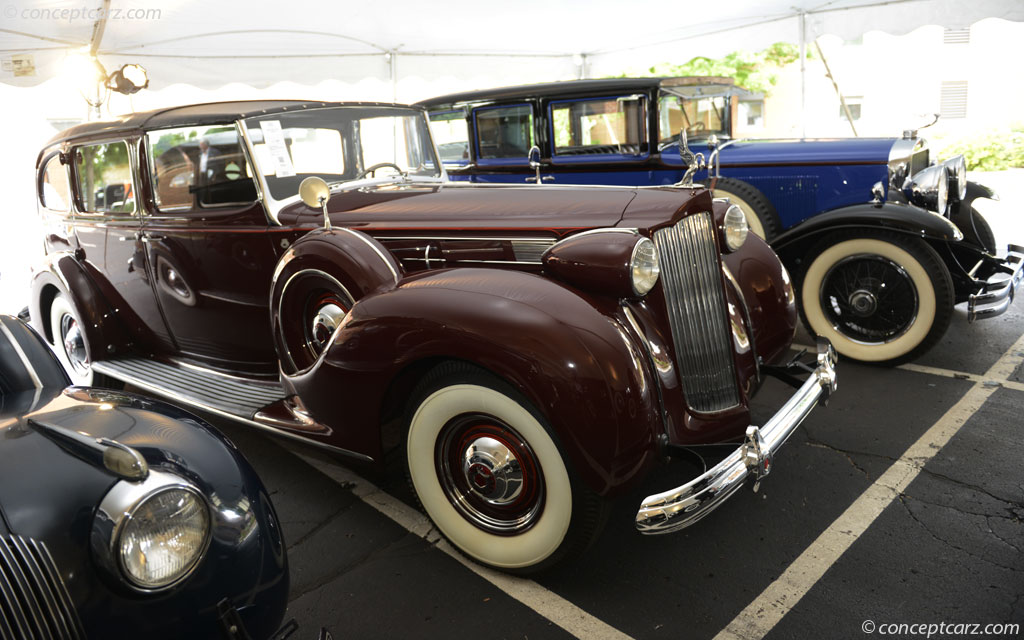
<point x="575" y="364"/>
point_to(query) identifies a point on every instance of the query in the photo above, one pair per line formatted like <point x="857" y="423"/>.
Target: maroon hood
<point x="510" y="207"/>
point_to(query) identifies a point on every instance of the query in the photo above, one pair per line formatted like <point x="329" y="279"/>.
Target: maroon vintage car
<point x="307" y="268"/>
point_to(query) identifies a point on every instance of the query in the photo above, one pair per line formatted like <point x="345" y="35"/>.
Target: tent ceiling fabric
<point x="209" y="44"/>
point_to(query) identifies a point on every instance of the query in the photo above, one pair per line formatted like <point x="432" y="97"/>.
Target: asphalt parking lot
<point x="900" y="502"/>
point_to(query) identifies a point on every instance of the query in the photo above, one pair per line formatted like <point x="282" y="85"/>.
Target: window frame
<point x="46" y="160"/>
<point x="504" y="162"/>
<point x="76" y="185"/>
<point x="573" y="158"/>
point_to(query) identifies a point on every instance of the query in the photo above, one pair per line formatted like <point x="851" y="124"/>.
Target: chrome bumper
<point x="994" y="298"/>
<point x="680" y="507"/>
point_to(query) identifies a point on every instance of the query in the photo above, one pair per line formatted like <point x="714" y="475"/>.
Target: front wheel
<point x="878" y="297"/>
<point x="488" y="472"/>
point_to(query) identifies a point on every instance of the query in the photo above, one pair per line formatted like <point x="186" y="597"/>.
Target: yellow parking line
<point x="782" y="595"/>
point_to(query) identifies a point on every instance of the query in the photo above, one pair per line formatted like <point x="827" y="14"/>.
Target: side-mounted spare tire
<point x="760" y="213"/>
<point x="316" y="283"/>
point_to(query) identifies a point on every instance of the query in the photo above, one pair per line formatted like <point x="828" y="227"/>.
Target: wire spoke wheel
<point x="871" y="297"/>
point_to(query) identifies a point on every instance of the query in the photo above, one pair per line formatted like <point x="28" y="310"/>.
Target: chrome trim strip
<point x="80" y="443"/>
<point x="260" y="181"/>
<point x="383" y="238"/>
<point x="687" y="504"/>
<point x="39" y="588"/>
<point x="21" y="356"/>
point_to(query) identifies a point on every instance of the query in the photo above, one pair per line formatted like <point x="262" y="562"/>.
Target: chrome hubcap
<point x="863" y="303"/>
<point x="74" y="344"/>
<point x="325" y="322"/>
<point x="492" y="471"/>
<point x="489" y="474"/>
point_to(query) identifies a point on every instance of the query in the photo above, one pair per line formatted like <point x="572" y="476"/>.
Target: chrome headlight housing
<point x="956" y="168"/>
<point x="152" y="534"/>
<point x="929" y="188"/>
<point x="735" y="227"/>
<point x="644" y="267"/>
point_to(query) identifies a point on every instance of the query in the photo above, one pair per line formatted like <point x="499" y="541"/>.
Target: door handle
<point x="149" y="237"/>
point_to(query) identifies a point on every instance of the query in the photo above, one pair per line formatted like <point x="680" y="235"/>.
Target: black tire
<point x="758" y="209"/>
<point x="522" y="523"/>
<point x="879" y="297"/>
<point x="983" y="232"/>
<point x="72" y="347"/>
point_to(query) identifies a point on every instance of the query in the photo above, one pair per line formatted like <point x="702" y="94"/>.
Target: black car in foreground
<point x="125" y="517"/>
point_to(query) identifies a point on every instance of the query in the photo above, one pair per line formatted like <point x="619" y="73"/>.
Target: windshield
<point x="340" y="144"/>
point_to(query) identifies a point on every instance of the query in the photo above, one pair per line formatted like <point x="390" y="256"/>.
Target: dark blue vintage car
<point x="125" y="517"/>
<point x="882" y="241"/>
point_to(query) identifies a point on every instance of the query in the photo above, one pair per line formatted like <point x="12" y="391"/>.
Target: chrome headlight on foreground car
<point x="152" y="533"/>
<point x="956" y="168"/>
<point x="735" y="227"/>
<point x="929" y="188"/>
<point x="644" y="266"/>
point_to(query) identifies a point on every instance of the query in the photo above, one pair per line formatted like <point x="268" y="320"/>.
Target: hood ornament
<point x="693" y="161"/>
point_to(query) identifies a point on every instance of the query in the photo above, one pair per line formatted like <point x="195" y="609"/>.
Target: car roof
<point x="567" y="88"/>
<point x="197" y="115"/>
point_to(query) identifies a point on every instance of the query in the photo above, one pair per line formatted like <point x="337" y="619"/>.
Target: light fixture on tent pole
<point x="89" y="75"/>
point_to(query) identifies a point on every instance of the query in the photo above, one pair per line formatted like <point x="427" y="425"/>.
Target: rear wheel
<point x="761" y="215"/>
<point x="878" y="297"/>
<point x="72" y="348"/>
<point x="488" y="472"/>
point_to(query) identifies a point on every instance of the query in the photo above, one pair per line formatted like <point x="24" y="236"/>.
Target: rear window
<point x="104" y="178"/>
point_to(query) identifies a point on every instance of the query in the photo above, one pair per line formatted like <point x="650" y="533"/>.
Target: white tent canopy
<point x="210" y="44"/>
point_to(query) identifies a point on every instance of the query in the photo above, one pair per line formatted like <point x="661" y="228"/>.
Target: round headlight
<point x="735" y="227"/>
<point x="644" y="266"/>
<point x="929" y="188"/>
<point x="956" y="167"/>
<point x="163" y="537"/>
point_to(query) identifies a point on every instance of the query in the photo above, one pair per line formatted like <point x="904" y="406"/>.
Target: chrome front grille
<point x="34" y="603"/>
<point x="692" y="282"/>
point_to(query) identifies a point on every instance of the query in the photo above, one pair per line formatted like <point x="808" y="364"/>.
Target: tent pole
<point x="835" y="85"/>
<point x="803" y="74"/>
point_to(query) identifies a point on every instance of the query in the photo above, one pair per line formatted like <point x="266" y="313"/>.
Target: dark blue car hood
<point x="808" y="152"/>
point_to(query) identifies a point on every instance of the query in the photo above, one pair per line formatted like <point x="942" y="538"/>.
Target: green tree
<point x="757" y="72"/>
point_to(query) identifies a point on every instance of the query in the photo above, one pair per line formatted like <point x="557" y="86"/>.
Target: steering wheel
<point x="380" y="165"/>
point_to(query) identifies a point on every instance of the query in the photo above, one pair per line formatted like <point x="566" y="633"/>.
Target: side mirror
<point x="315" y="193"/>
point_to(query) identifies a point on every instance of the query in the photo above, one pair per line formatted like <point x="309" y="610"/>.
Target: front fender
<point x="902" y="218"/>
<point x="563" y="350"/>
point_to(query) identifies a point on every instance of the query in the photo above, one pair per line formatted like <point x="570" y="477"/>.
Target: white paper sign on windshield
<point x="274" y="139"/>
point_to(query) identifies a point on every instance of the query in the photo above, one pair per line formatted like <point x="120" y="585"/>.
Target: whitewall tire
<point x="760" y="214"/>
<point x="878" y="297"/>
<point x="491" y="477"/>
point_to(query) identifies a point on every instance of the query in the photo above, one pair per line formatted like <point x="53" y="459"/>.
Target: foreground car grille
<point x="34" y="603"/>
<point x="692" y="281"/>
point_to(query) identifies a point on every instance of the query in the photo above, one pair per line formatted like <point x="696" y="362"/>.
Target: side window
<point x="194" y="167"/>
<point x="451" y="136"/>
<point x="603" y="126"/>
<point x="54" y="191"/>
<point x="504" y="134"/>
<point x="104" y="179"/>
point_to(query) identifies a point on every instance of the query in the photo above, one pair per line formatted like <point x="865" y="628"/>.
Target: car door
<point x="106" y="221"/>
<point x="502" y="138"/>
<point x="208" y="247"/>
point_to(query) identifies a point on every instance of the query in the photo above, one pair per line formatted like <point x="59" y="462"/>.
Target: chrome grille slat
<point x="35" y="602"/>
<point x="691" y="280"/>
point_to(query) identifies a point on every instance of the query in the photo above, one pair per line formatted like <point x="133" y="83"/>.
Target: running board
<point x="194" y="386"/>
